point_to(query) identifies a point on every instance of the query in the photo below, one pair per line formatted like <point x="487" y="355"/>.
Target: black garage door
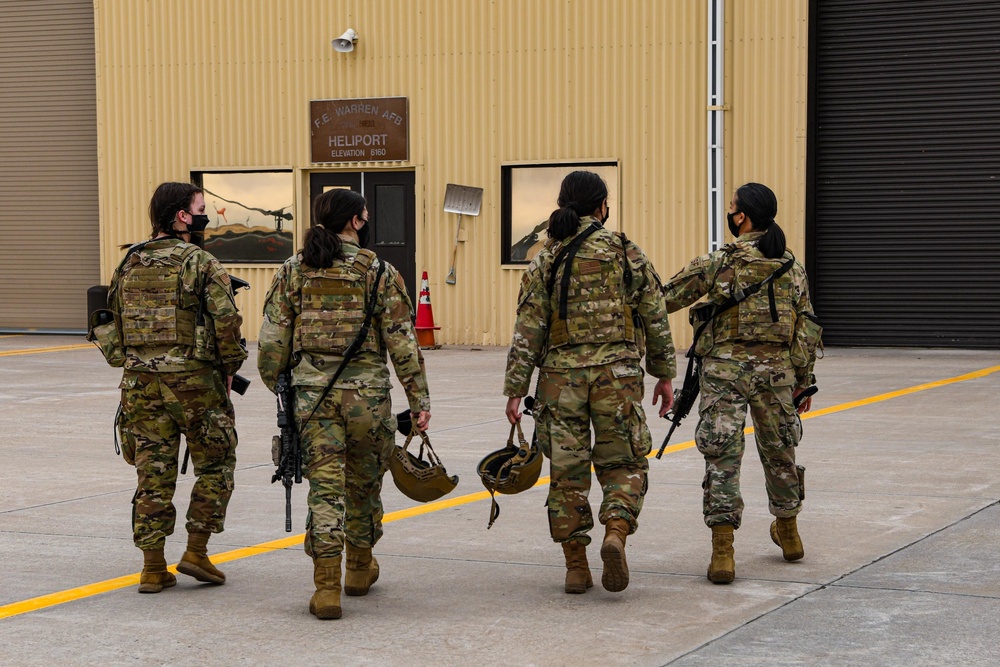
<point x="904" y="172"/>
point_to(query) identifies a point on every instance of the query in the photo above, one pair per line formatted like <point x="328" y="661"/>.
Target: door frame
<point x="366" y="182"/>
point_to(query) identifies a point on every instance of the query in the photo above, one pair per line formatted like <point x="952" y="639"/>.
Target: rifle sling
<point x="352" y="349"/>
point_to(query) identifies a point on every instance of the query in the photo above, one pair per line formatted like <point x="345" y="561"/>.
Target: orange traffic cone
<point x="425" y="317"/>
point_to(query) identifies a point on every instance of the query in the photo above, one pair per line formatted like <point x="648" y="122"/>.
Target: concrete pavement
<point x="899" y="527"/>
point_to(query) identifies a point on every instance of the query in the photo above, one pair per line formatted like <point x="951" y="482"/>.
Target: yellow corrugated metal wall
<point x="767" y="81"/>
<point x="190" y="85"/>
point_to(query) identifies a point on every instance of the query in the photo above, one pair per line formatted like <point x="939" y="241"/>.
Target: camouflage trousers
<point x="156" y="409"/>
<point x="345" y="453"/>
<point x="610" y="397"/>
<point x="727" y="388"/>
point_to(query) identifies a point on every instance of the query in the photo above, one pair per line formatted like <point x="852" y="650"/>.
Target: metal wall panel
<point x="48" y="175"/>
<point x="187" y="85"/>
<point x="768" y="58"/>
<point x="907" y="178"/>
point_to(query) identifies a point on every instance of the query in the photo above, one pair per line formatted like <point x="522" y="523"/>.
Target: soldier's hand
<point x="229" y="385"/>
<point x="664" y="389"/>
<point x="514" y="409"/>
<point x="423" y="419"/>
<point x="805" y="405"/>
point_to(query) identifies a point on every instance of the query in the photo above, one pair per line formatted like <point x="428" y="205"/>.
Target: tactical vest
<point x="596" y="307"/>
<point x="155" y="311"/>
<point x="758" y="318"/>
<point x="332" y="308"/>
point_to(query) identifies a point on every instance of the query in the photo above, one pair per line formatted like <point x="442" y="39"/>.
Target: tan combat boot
<point x="615" y="577"/>
<point x="325" y="602"/>
<point x="578" y="578"/>
<point x="785" y="534"/>
<point x="154" y="577"/>
<point x="362" y="570"/>
<point x="722" y="569"/>
<point x="195" y="563"/>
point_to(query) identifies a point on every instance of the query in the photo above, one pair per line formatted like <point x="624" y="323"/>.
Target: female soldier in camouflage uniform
<point x="760" y="353"/>
<point x="584" y="303"/>
<point x="312" y="313"/>
<point x="180" y="327"/>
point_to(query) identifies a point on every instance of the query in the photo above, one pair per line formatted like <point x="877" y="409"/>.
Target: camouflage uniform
<point x="347" y="442"/>
<point x="172" y="385"/>
<point x="748" y="361"/>
<point x="589" y="372"/>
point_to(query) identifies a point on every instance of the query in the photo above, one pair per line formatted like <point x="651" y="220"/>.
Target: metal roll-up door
<point x="904" y="202"/>
<point x="49" y="227"/>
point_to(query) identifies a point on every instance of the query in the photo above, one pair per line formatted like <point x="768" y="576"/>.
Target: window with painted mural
<point x="250" y="215"/>
<point x="530" y="194"/>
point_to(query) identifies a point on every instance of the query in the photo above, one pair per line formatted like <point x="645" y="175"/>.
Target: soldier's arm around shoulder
<point x="531" y="328"/>
<point x="221" y="310"/>
<point x="393" y="317"/>
<point x="274" y="341"/>
<point x="646" y="295"/>
<point x="692" y="282"/>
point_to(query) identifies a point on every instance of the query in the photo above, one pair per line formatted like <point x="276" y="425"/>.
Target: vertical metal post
<point x="716" y="108"/>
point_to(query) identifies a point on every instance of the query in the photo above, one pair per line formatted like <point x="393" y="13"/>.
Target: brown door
<point x="391" y="212"/>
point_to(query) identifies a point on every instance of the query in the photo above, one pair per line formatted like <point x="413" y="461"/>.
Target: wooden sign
<point x="374" y="129"/>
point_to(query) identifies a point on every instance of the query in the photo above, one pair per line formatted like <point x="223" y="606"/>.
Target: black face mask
<point x="607" y="214"/>
<point x="734" y="229"/>
<point x="364" y="235"/>
<point x="197" y="228"/>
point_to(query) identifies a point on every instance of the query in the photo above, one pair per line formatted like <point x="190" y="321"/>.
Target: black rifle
<point x="286" y="448"/>
<point x="684" y="397"/>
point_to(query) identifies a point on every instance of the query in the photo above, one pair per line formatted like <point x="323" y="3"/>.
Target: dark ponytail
<point x="760" y="205"/>
<point x="581" y="193"/>
<point x="331" y="211"/>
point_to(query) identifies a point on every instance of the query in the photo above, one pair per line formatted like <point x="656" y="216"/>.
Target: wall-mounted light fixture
<point x="345" y="43"/>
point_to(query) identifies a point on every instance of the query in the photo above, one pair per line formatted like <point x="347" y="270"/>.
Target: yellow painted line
<point x="89" y="590"/>
<point x="901" y="392"/>
<point x="975" y="375"/>
<point x="40" y="350"/>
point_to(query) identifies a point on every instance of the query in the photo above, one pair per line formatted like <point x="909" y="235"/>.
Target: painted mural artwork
<point x="250" y="216"/>
<point x="534" y="190"/>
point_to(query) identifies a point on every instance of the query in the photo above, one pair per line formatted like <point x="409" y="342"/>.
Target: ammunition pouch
<point x="105" y="334"/>
<point x="276" y="449"/>
<point x="698" y="316"/>
<point x="203" y="348"/>
<point x="204" y="343"/>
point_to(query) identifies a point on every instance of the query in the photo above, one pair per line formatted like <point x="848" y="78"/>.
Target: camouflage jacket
<point x="712" y="276"/>
<point x="204" y="286"/>
<point x="530" y="344"/>
<point x="367" y="370"/>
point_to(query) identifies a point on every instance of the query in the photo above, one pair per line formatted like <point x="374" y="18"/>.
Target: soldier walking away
<point x="178" y="332"/>
<point x="590" y="305"/>
<point x="314" y="312"/>
<point x="757" y="349"/>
